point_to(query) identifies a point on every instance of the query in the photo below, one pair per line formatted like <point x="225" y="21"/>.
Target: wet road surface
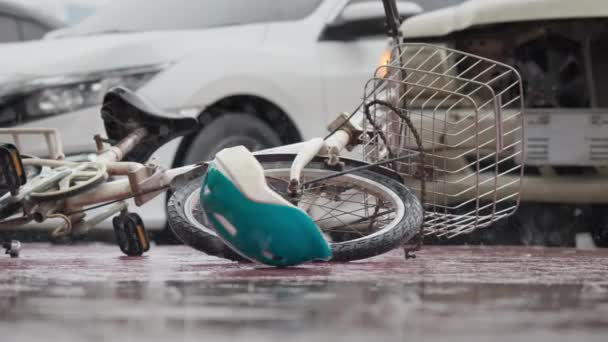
<point x="92" y="293"/>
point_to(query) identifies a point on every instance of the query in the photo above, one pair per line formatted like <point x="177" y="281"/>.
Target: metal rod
<point x="393" y="20"/>
<point x="359" y="168"/>
<point x="123" y="147"/>
<point x="85" y="226"/>
<point x="361" y="220"/>
<point x="51" y="135"/>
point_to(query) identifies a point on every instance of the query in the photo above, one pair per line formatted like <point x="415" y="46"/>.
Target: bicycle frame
<point x="51" y="137"/>
<point x="139" y="181"/>
<point x="142" y="182"/>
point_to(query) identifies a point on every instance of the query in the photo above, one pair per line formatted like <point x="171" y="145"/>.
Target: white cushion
<point x="243" y="169"/>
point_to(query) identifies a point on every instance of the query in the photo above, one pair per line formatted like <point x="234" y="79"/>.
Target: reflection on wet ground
<point x="90" y="293"/>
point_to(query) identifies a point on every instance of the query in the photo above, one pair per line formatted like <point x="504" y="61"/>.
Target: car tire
<point x="228" y="130"/>
<point x="543" y="224"/>
<point x="599" y="226"/>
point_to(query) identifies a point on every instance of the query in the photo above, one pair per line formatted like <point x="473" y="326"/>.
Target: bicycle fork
<point x="346" y="135"/>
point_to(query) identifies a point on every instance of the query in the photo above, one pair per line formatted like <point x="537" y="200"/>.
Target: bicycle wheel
<point x="362" y="214"/>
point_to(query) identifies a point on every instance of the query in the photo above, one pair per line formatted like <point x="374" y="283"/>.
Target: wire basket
<point x="468" y="112"/>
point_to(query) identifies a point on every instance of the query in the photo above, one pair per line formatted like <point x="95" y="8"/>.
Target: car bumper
<point x="569" y="190"/>
<point x="576" y="190"/>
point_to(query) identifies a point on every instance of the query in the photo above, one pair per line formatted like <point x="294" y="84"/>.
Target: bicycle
<point x="67" y="190"/>
<point x="450" y="134"/>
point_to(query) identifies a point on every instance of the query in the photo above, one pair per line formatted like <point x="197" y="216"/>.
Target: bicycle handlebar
<point x="393" y="19"/>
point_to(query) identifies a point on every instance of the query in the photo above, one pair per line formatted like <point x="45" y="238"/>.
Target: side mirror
<point x="12" y="173"/>
<point x="364" y="19"/>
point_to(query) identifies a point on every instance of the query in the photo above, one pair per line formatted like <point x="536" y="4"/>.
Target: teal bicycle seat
<point x="254" y="220"/>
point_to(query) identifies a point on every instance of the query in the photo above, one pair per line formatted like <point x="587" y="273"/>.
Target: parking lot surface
<point x="92" y="293"/>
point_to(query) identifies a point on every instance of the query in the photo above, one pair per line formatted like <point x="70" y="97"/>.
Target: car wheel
<point x="599" y="226"/>
<point x="542" y="224"/>
<point x="230" y="130"/>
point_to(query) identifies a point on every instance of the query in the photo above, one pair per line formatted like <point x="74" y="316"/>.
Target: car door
<point x="9" y="29"/>
<point x="31" y="30"/>
<point x="350" y="50"/>
<point x="346" y="65"/>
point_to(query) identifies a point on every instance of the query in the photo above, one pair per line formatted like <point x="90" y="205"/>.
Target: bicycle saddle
<point x="254" y="220"/>
<point x="124" y="111"/>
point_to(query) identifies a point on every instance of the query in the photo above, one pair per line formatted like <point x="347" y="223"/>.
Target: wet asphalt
<point x="92" y="293"/>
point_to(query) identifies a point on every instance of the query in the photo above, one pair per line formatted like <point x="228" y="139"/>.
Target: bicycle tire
<point x="404" y="230"/>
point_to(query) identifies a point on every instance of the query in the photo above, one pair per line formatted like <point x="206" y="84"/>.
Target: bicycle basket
<point x="467" y="111"/>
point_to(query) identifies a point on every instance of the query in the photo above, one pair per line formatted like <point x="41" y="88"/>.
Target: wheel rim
<point x="346" y="208"/>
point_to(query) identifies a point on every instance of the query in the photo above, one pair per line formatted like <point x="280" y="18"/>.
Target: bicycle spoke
<point x="361" y="219"/>
<point x="343" y="213"/>
<point x="349" y="200"/>
<point x="341" y="203"/>
<point x="376" y="210"/>
<point x="346" y="225"/>
<point x="363" y="203"/>
<point x="346" y="207"/>
<point x="308" y="204"/>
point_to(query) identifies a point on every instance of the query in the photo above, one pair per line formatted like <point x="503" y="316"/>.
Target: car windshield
<point x="158" y="15"/>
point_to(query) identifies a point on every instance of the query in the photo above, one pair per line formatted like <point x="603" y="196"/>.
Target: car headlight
<point x="36" y="98"/>
<point x="385" y="59"/>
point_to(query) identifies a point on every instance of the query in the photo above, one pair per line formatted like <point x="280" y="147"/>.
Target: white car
<point x="257" y="73"/>
<point x="558" y="48"/>
<point x="68" y="11"/>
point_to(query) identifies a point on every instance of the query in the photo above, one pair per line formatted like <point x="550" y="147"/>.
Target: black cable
<point x="355" y="169"/>
<point x="118" y="200"/>
<point x="422" y="172"/>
